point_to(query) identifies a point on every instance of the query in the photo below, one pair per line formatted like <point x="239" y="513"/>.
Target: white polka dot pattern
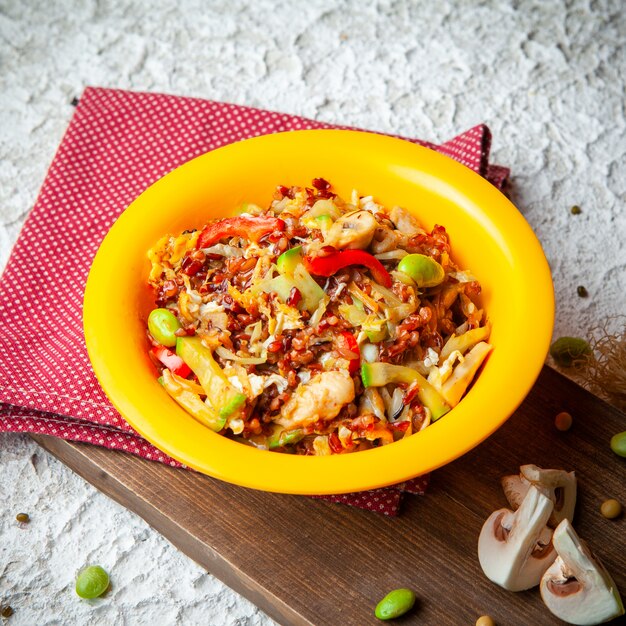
<point x="117" y="144"/>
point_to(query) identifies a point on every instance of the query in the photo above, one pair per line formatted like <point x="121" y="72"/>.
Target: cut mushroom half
<point x="576" y="587"/>
<point x="515" y="548"/>
<point x="560" y="485"/>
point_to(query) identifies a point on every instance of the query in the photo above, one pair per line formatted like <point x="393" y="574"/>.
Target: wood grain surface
<point x="307" y="561"/>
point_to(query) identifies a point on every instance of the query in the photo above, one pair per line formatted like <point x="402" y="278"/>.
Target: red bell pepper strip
<point x="351" y="345"/>
<point x="252" y="228"/>
<point x="171" y="360"/>
<point x="329" y="265"/>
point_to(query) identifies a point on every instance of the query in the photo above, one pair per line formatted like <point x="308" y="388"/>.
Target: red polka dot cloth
<point x="117" y="144"/>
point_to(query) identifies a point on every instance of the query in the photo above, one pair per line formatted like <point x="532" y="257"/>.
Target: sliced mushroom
<point x="515" y="548"/>
<point x="561" y="486"/>
<point x="515" y="488"/>
<point x="405" y="221"/>
<point x="560" y="483"/>
<point x="387" y="240"/>
<point x="577" y="588"/>
<point x="353" y="230"/>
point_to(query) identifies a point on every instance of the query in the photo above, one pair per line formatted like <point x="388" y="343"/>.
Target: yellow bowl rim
<point x="365" y="470"/>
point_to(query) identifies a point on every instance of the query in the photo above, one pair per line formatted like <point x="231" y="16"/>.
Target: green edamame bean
<point x="91" y="582"/>
<point x="567" y="350"/>
<point x="424" y="270"/>
<point x="618" y="444"/>
<point x="395" y="603"/>
<point x="163" y="325"/>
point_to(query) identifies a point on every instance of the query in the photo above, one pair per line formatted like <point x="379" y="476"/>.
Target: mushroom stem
<point x="577" y="588"/>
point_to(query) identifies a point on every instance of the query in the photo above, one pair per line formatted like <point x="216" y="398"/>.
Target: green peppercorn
<point x="23" y="518"/>
<point x="395" y="603"/>
<point x="566" y="350"/>
<point x="581" y="291"/>
<point x="7" y="611"/>
<point x="576" y="210"/>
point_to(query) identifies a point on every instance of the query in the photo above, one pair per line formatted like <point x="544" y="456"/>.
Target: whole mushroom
<point x="576" y="587"/>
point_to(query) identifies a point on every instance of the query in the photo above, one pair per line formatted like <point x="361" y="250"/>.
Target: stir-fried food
<point x="316" y="326"/>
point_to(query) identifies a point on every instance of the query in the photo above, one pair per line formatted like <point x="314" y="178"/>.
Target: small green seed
<point x="395" y="603"/>
<point x="566" y="350"/>
<point x="23" y="518"/>
<point x="7" y="611"/>
<point x="582" y="291"/>
<point x="91" y="582"/>
<point x="163" y="324"/>
<point x="618" y="444"/>
<point x="576" y="210"/>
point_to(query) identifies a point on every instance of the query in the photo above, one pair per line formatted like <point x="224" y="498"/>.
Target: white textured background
<point x="547" y="77"/>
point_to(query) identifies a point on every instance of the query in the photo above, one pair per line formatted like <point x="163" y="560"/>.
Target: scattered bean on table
<point x="618" y="444"/>
<point x="485" y="620"/>
<point x="563" y="421"/>
<point x="611" y="508"/>
<point x="395" y="604"/>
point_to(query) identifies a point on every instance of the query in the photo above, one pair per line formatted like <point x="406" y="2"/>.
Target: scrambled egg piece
<point x="321" y="398"/>
<point x="168" y="252"/>
<point x="291" y="316"/>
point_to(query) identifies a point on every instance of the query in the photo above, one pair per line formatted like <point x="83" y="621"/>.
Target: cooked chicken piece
<point x="320" y="399"/>
<point x="405" y="222"/>
<point x="353" y="231"/>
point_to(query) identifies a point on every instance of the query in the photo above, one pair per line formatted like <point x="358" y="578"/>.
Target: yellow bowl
<point x="488" y="236"/>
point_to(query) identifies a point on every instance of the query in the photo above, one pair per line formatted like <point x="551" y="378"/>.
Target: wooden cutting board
<point x="307" y="561"/>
